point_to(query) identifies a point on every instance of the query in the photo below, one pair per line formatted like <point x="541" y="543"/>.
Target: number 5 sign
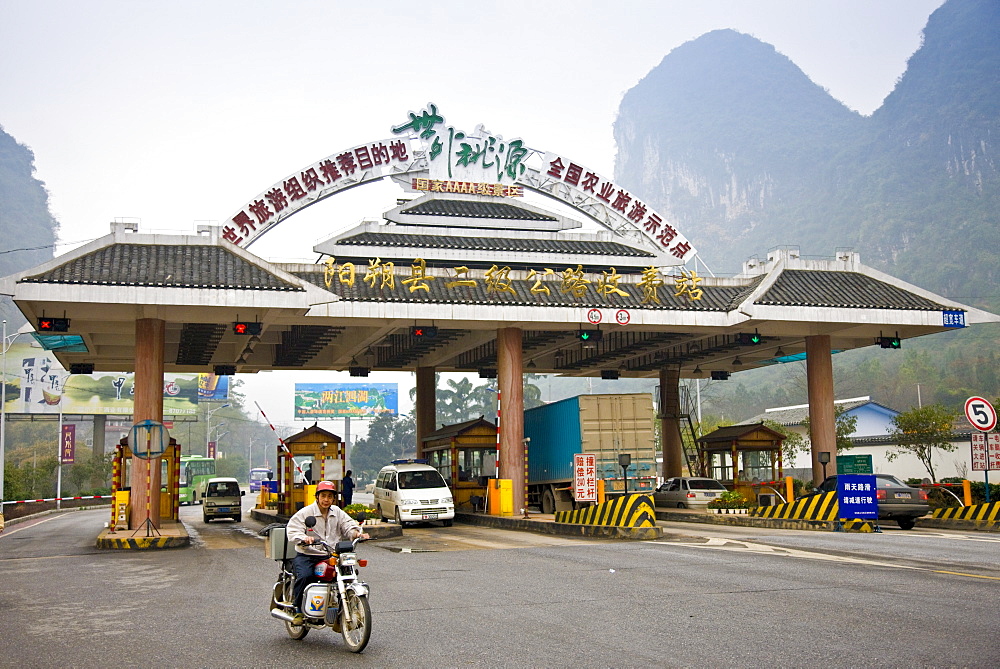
<point x="981" y="414"/>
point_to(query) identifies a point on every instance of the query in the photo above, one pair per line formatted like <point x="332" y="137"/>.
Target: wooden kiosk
<point x="738" y="455"/>
<point x="326" y="450"/>
<point x="465" y="454"/>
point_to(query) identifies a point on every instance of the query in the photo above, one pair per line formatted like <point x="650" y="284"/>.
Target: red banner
<point x="67" y="448"/>
<point x="211" y="449"/>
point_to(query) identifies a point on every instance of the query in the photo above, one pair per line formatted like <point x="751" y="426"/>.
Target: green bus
<point x="195" y="472"/>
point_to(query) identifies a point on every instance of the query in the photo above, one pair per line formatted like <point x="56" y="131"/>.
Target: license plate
<point x="709" y="494"/>
<point x="903" y="495"/>
<point x="222" y="509"/>
<point x="429" y="516"/>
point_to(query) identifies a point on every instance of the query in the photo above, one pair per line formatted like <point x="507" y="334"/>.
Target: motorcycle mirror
<point x="311" y="521"/>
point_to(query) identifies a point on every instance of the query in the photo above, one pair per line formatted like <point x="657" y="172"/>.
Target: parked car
<point x="685" y="492"/>
<point x="896" y="500"/>
<point x="223" y="499"/>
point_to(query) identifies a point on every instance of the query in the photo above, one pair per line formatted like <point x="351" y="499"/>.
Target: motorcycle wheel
<point x="297" y="632"/>
<point x="356" y="636"/>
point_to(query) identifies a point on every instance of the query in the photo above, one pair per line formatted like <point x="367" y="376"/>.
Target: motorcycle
<point x="338" y="600"/>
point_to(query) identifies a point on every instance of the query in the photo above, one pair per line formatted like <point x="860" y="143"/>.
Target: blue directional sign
<point x="857" y="496"/>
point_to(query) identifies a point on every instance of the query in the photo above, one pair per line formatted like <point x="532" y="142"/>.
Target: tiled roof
<point x="164" y="266"/>
<point x="715" y="298"/>
<point x="796" y="415"/>
<point x="474" y="209"/>
<point x="821" y="288"/>
<point x="492" y="244"/>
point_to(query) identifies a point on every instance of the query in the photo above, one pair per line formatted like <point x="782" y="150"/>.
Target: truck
<point x="604" y="425"/>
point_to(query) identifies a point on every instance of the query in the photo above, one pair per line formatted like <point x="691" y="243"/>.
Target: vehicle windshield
<point x="231" y="489"/>
<point x="258" y="474"/>
<point x="705" y="484"/>
<point x="420" y="480"/>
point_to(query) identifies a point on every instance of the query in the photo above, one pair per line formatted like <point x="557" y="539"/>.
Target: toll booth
<point x="739" y="455"/>
<point x="465" y="454"/>
<point x="170" y="472"/>
<point x="313" y="455"/>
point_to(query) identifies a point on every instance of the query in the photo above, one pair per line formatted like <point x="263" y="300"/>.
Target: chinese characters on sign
<point x="589" y="183"/>
<point x="468" y="187"/>
<point x="953" y="319"/>
<point x="585" y="477"/>
<point x="500" y="280"/>
<point x="985" y="451"/>
<point x="856" y="494"/>
<point x="368" y="162"/>
<point x="67" y="451"/>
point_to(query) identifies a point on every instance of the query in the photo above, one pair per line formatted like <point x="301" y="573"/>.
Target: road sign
<point x="594" y="316"/>
<point x="985" y="451"/>
<point x="981" y="414"/>
<point x="854" y="464"/>
<point x="623" y="317"/>
<point x="856" y="494"/>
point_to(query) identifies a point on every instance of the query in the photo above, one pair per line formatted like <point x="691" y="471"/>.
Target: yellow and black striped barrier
<point x="626" y="511"/>
<point x="981" y="513"/>
<point x="814" y="507"/>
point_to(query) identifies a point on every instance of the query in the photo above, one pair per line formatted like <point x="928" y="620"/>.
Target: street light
<point x="208" y="424"/>
<point x="6" y="344"/>
<point x="824" y="458"/>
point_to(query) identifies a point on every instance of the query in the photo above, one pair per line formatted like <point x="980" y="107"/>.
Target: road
<point x="469" y="596"/>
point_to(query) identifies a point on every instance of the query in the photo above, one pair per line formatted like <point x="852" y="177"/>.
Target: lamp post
<point x="208" y="425"/>
<point x="824" y="458"/>
<point x="6" y="344"/>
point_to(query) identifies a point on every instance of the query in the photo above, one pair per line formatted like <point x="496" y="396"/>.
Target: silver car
<point x="686" y="492"/>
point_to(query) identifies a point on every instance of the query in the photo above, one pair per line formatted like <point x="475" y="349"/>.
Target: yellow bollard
<point x="967" y="492"/>
<point x="789" y="489"/>
<point x="600" y="491"/>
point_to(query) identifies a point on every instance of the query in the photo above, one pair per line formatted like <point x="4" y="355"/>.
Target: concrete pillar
<point x="670" y="423"/>
<point x="149" y="335"/>
<point x="822" y="424"/>
<point x="511" y="385"/>
<point x="426" y="408"/>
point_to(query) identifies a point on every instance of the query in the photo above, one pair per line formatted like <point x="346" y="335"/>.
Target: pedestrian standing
<point x="348" y="488"/>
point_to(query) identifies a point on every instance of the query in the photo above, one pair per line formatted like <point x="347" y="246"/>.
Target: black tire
<point x="446" y="523"/>
<point x="381" y="513"/>
<point x="680" y="505"/>
<point x="906" y="523"/>
<point x="238" y="517"/>
<point x="356" y="637"/>
<point x="548" y="501"/>
<point x="297" y="632"/>
<point x="399" y="519"/>
<point x="206" y="518"/>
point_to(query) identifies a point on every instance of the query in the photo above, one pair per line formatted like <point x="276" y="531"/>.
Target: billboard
<point x="38" y="384"/>
<point x="345" y="400"/>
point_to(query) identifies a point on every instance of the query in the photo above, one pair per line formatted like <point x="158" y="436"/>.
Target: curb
<point x="105" y="542"/>
<point x="564" y="529"/>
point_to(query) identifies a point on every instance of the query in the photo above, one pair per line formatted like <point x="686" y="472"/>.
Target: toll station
<point x="466" y="273"/>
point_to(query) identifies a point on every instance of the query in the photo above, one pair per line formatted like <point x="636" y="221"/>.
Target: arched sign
<point x="426" y="154"/>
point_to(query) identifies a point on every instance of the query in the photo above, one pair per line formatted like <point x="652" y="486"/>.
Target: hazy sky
<point x="181" y="111"/>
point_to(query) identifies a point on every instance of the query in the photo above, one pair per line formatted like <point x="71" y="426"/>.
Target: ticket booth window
<point x="721" y="467"/>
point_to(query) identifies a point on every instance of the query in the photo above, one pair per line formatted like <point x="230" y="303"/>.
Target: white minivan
<point x="413" y="491"/>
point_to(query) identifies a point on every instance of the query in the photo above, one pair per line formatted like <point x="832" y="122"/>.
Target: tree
<point x="792" y="444"/>
<point x="919" y="431"/>
<point x="389" y="437"/>
<point x="845" y="425"/>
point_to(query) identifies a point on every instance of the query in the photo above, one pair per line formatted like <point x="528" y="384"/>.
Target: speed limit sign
<point x="981" y="414"/>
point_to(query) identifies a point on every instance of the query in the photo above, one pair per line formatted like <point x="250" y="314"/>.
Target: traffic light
<point x="748" y="339"/>
<point x="424" y="331"/>
<point x="81" y="368"/>
<point x="720" y="376"/>
<point x="590" y="335"/>
<point x="889" y="342"/>
<point x="225" y="370"/>
<point x="53" y="324"/>
<point x="247" y="328"/>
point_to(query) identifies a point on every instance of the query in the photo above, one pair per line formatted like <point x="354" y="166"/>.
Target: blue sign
<point x="857" y="496"/>
<point x="953" y="319"/>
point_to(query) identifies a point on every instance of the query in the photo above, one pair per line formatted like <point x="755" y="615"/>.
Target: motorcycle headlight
<point x="348" y="559"/>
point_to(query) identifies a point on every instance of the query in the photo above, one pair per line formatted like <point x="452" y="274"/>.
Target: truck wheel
<point x="548" y="501"/>
<point x="906" y="523"/>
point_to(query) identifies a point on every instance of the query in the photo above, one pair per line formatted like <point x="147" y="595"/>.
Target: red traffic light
<point x="247" y="328"/>
<point x="53" y="324"/>
<point x="424" y="331"/>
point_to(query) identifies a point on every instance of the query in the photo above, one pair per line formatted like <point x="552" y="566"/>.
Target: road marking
<point x="26" y="524"/>
<point x="958" y="573"/>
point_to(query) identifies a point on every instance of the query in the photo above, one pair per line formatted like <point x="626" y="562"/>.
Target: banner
<point x="345" y="400"/>
<point x="67" y="452"/>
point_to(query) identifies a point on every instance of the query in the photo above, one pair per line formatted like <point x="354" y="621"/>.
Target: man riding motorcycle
<point x="332" y="525"/>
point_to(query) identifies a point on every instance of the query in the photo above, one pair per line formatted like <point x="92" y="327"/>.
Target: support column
<point x="149" y="335"/>
<point x="670" y="423"/>
<point x="97" y="452"/>
<point x="822" y="424"/>
<point x="426" y="408"/>
<point x="510" y="382"/>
